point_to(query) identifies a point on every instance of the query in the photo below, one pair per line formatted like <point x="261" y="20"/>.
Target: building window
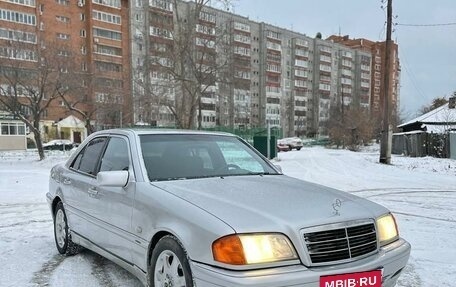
<point x="62" y="19"/>
<point x="83" y="50"/>
<point x="63" y="53"/>
<point x="16" y="35"/>
<point x="109" y="34"/>
<point x="82" y="16"/>
<point x="18" y="54"/>
<point x="162" y="4"/>
<point x="108" y="50"/>
<point x="24" y="2"/>
<point x="110" y="3"/>
<point x="108" y="67"/>
<point x="106" y="17"/>
<point x="63" y="2"/>
<point x="12" y="129"/>
<point x="17" y="17"/>
<point x="63" y="36"/>
<point x="84" y="66"/>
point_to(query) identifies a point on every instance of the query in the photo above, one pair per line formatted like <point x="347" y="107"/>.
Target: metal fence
<point x="453" y="145"/>
<point x="245" y="133"/>
<point x="418" y="144"/>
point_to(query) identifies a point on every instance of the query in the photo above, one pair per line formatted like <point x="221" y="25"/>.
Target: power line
<point x="426" y="25"/>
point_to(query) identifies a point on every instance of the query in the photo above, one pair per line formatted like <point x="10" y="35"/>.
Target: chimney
<point x="452" y="102"/>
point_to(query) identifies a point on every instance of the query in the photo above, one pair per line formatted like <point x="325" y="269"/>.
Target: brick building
<point x="88" y="40"/>
<point x="377" y="49"/>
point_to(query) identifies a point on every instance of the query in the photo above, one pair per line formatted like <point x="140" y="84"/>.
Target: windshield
<point x="184" y="156"/>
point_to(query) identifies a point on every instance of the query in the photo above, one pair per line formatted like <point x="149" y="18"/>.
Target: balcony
<point x="347" y="54"/>
<point x="346" y="81"/>
<point x="302" y="53"/>
<point x="346" y="63"/>
<point x="347" y="73"/>
<point x="326" y="59"/>
<point x="162" y="5"/>
<point x="301" y="63"/>
<point x="302" y="43"/>
<point x="273" y="46"/>
<point x="325" y="68"/>
<point x="300" y="84"/>
<point x="301" y="73"/>
<point x="273" y="35"/>
<point x="241" y="27"/>
<point x="242" y="39"/>
<point x="365" y="85"/>
<point x="365" y="68"/>
<point x="325" y="49"/>
<point x="324" y="87"/>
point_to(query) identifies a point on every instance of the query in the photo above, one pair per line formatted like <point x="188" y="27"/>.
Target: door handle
<point x="92" y="192"/>
<point x="66" y="181"/>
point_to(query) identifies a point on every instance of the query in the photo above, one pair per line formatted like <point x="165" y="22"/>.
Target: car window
<point x="116" y="155"/>
<point x="238" y="157"/>
<point x="86" y="161"/>
<point x="183" y="156"/>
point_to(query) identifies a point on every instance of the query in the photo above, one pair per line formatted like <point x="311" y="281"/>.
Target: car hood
<point x="271" y="202"/>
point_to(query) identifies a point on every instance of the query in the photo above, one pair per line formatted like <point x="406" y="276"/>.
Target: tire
<point x="298" y="148"/>
<point x="169" y="264"/>
<point x="291" y="148"/>
<point x="62" y="237"/>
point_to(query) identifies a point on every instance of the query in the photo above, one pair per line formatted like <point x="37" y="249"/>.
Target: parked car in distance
<point x="59" y="145"/>
<point x="192" y="208"/>
<point x="292" y="143"/>
<point x="282" y="147"/>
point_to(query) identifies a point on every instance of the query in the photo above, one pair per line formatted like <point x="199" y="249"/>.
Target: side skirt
<point x="133" y="269"/>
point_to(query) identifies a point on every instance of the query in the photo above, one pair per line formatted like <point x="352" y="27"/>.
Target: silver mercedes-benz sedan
<point x="188" y="208"/>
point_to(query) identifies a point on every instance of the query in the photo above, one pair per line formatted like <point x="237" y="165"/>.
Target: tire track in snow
<point x="409" y="277"/>
<point x="402" y="190"/>
<point x="43" y="276"/>
<point x="99" y="271"/>
<point x="424" y="216"/>
<point x="25" y="223"/>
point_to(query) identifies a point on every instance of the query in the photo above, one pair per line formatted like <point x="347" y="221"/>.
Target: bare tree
<point x="185" y="67"/>
<point x="436" y="102"/>
<point x="352" y="128"/>
<point x="31" y="78"/>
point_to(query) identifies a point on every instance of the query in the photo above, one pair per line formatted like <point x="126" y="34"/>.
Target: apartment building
<point x="377" y="50"/>
<point x="89" y="39"/>
<point x="270" y="75"/>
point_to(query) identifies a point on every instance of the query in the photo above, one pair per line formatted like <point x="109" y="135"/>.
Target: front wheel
<point x="62" y="238"/>
<point x="169" y="264"/>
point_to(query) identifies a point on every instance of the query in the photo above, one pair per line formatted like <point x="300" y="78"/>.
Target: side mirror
<point x="278" y="167"/>
<point x="118" y="178"/>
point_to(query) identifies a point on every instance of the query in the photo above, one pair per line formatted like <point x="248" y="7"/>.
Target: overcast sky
<point x="427" y="54"/>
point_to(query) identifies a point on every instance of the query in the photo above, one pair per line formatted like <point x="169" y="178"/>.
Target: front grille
<point x="343" y="243"/>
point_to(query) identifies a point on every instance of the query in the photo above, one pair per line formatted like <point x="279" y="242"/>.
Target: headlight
<point x="242" y="249"/>
<point x="387" y="229"/>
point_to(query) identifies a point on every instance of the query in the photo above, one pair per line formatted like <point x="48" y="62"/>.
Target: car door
<point x="77" y="181"/>
<point x="111" y="207"/>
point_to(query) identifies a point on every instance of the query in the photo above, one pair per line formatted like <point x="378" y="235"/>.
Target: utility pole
<point x="385" y="146"/>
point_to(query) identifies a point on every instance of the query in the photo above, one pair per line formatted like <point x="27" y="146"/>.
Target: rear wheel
<point x="298" y="148"/>
<point x="62" y="237"/>
<point x="169" y="266"/>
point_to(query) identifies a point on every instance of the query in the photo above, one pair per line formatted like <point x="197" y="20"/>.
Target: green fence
<point x="245" y="133"/>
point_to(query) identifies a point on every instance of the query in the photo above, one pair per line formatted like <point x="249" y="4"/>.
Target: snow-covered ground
<point x="420" y="191"/>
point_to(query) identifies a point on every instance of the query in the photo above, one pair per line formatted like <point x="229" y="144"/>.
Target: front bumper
<point x="391" y="258"/>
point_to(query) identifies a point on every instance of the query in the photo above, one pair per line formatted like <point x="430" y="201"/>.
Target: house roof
<point x="71" y="122"/>
<point x="440" y="115"/>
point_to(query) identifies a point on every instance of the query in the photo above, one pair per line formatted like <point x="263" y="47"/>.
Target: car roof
<point x="158" y="131"/>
